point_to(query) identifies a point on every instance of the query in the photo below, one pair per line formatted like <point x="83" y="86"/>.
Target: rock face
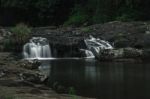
<point x="12" y="68"/>
<point x="121" y="34"/>
<point x="31" y="65"/>
<point x="122" y="53"/>
<point x="4" y="39"/>
<point x="32" y="74"/>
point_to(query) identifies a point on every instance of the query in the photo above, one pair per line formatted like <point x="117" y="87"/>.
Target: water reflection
<point x="101" y="80"/>
<point x="45" y="69"/>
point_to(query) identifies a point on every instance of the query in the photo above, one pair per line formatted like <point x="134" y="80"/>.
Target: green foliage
<point x="21" y="33"/>
<point x="7" y="95"/>
<point x="100" y="18"/>
<point x="76" y="19"/>
<point x="76" y="12"/>
<point x="86" y="29"/>
<point x="124" y="17"/>
<point x="72" y="92"/>
<point x="127" y="14"/>
<point x="7" y="45"/>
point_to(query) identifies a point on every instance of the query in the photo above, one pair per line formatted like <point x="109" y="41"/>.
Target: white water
<point x="95" y="45"/>
<point x="38" y="47"/>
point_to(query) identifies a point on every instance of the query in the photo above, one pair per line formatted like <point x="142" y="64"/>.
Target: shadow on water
<point x="101" y="80"/>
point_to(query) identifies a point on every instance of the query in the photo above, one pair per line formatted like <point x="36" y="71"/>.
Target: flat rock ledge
<point x="124" y="55"/>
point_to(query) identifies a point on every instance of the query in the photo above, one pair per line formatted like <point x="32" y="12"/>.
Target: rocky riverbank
<point x="21" y="79"/>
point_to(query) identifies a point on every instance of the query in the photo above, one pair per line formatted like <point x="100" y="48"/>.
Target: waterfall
<point x="95" y="45"/>
<point x="89" y="54"/>
<point x="37" y="47"/>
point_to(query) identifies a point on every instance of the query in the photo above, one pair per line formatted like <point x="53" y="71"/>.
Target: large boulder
<point x="31" y="72"/>
<point x="122" y="53"/>
<point x="132" y="53"/>
<point x="34" y="77"/>
<point x="31" y="65"/>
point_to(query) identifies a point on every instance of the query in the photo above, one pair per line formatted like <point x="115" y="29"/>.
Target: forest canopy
<point x="71" y="12"/>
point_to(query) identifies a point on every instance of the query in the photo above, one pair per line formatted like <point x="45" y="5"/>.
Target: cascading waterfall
<point x="95" y="45"/>
<point x="38" y="47"/>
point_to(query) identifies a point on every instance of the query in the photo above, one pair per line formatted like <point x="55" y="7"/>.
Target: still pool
<point x="102" y="80"/>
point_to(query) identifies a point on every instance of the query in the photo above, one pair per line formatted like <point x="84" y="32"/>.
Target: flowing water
<point x="95" y="45"/>
<point x="37" y="47"/>
<point x="99" y="79"/>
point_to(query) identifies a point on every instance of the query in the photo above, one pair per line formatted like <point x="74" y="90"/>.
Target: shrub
<point x="76" y="19"/>
<point x="98" y="18"/>
<point x="86" y="29"/>
<point x="78" y="16"/>
<point x="20" y="35"/>
<point x="127" y="14"/>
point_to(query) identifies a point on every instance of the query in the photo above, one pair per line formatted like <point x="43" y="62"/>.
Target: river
<point x="102" y="80"/>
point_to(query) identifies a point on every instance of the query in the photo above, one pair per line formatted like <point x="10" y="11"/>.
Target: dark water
<point x="102" y="80"/>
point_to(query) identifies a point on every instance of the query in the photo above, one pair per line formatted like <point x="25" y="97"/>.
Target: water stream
<point x="37" y="48"/>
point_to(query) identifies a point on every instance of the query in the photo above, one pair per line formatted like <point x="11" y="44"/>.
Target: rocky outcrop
<point x="31" y="72"/>
<point x="122" y="54"/>
<point x="31" y="65"/>
<point x="12" y="68"/>
<point x="4" y="39"/>
<point x="121" y="34"/>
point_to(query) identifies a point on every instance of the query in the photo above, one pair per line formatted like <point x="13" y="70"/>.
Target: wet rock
<point x="110" y="55"/>
<point x="34" y="64"/>
<point x="119" y="43"/>
<point x="34" y="77"/>
<point x="132" y="53"/>
<point x="122" y="53"/>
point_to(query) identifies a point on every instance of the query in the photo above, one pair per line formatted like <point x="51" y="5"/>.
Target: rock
<point x="29" y="64"/>
<point x="112" y="54"/>
<point x="119" y="43"/>
<point x="132" y="53"/>
<point x="33" y="77"/>
<point x="122" y="53"/>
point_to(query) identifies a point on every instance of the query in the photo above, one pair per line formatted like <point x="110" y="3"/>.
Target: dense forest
<point x="71" y="12"/>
